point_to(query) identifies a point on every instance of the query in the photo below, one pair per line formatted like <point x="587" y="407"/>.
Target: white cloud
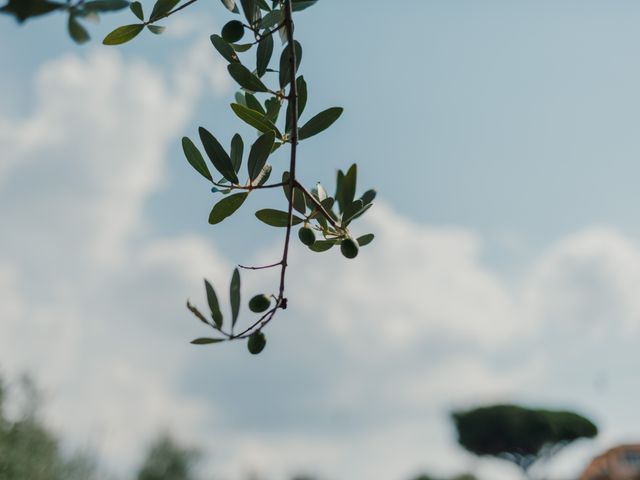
<point x="83" y="296"/>
<point x="359" y="373"/>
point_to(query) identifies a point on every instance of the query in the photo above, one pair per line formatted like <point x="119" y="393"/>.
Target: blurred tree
<point x="520" y="435"/>
<point x="464" y="476"/>
<point x="29" y="451"/>
<point x="166" y="460"/>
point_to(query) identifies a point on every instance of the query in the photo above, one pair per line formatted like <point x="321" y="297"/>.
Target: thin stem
<point x="293" y="103"/>
<point x="281" y="301"/>
<point x="261" y="267"/>
<point x="268" y="33"/>
<point x="263" y="320"/>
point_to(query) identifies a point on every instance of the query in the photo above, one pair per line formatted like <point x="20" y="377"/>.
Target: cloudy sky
<point x="502" y="138"/>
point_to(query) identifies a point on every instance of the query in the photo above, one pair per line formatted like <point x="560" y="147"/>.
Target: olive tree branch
<point x="293" y="103"/>
<point x="262" y="267"/>
<point x="281" y="301"/>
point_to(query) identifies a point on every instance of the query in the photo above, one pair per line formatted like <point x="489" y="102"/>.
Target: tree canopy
<point x="518" y="434"/>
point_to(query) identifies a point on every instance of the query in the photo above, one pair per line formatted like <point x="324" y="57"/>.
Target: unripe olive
<point x="259" y="303"/>
<point x="349" y="248"/>
<point x="256" y="342"/>
<point x="306" y="236"/>
<point x="233" y="31"/>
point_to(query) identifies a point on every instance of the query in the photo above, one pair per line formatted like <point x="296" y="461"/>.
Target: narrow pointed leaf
<point x="351" y="209"/>
<point x="320" y="192"/>
<point x="241" y="47"/>
<point x="77" y="32"/>
<point x="231" y="5"/>
<point x="245" y="78"/>
<point x="206" y="341"/>
<point x="226" y="207"/>
<point x="272" y="105"/>
<point x="224" y="49"/>
<point x="272" y="19"/>
<point x="349" y="186"/>
<point x="104" y="5"/>
<point x="264" y="175"/>
<point x="338" y="195"/>
<point x="136" y="8"/>
<point x="195" y="159"/>
<point x="297" y="5"/>
<point x="253" y="103"/>
<point x="123" y="34"/>
<point x="259" y="154"/>
<point x="263" y="54"/>
<point x="276" y="218"/>
<point x="302" y="101"/>
<point x="214" y="306"/>
<point x="319" y="123"/>
<point x="368" y="196"/>
<point x="157" y="29"/>
<point x="218" y="156"/>
<point x="321" y="245"/>
<point x="161" y="8"/>
<point x="240" y="99"/>
<point x="255" y="119"/>
<point x="365" y="239"/>
<point x="251" y="11"/>
<point x="359" y="213"/>
<point x="237" y="149"/>
<point x="234" y="296"/>
<point x="285" y="63"/>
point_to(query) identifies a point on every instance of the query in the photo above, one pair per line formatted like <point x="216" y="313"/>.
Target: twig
<point x="262" y="267"/>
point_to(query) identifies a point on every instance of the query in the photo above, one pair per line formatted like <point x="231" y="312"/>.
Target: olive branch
<point x="324" y="220"/>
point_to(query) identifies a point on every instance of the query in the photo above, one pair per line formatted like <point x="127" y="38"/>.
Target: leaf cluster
<point x="77" y="12"/>
<point x="266" y="94"/>
<point x="272" y="99"/>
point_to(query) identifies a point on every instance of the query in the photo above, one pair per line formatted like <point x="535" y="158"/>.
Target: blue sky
<point x="502" y="138"/>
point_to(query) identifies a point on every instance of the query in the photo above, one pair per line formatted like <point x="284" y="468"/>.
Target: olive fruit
<point x="256" y="342"/>
<point x="233" y="31"/>
<point x="259" y="303"/>
<point x="306" y="236"/>
<point x="349" y="248"/>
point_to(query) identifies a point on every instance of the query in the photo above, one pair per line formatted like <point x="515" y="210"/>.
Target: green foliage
<point x="268" y="81"/>
<point x="520" y="435"/>
<point x="123" y="34"/>
<point x="29" y="450"/>
<point x="166" y="460"/>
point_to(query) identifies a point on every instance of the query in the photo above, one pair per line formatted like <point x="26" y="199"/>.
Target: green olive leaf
<point x="226" y="207"/>
<point x="320" y="122"/>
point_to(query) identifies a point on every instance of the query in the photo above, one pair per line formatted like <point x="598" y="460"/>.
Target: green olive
<point x="256" y="342"/>
<point x="306" y="236"/>
<point x="233" y="31"/>
<point x="259" y="303"/>
<point x="349" y="248"/>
